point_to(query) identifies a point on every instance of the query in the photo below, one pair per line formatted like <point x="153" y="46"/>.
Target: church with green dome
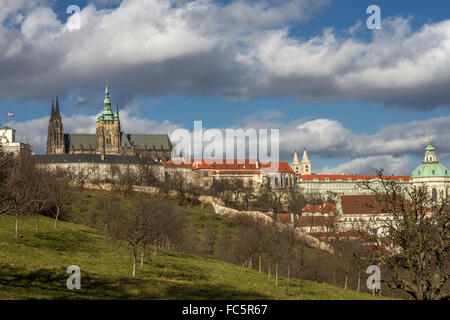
<point x="109" y="138"/>
<point x="431" y="173"/>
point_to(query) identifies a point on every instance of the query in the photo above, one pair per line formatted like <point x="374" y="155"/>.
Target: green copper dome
<point x="430" y="167"/>
<point x="429" y="170"/>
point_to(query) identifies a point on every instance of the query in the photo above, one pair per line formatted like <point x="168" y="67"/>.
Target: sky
<point x="355" y="98"/>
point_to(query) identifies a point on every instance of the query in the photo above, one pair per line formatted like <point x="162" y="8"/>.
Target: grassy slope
<point x="35" y="267"/>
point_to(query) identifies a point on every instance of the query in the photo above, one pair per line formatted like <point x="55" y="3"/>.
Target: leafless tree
<point x="296" y="201"/>
<point x="18" y="195"/>
<point x="415" y="242"/>
<point x="129" y="225"/>
<point x="126" y="180"/>
<point x="61" y="197"/>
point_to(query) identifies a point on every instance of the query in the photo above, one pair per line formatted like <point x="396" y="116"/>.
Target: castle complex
<point x="108" y="139"/>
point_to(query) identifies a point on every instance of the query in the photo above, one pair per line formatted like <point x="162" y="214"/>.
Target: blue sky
<point x="234" y="64"/>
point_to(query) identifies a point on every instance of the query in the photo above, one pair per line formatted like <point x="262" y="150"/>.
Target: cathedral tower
<point x="108" y="128"/>
<point x="55" y="136"/>
<point x="305" y="165"/>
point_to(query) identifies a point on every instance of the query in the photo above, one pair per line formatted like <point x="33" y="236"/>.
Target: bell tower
<point x="305" y="164"/>
<point x="296" y="164"/>
<point x="108" y="128"/>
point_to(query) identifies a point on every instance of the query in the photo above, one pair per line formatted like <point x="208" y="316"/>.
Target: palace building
<point x="430" y="173"/>
<point x="109" y="139"/>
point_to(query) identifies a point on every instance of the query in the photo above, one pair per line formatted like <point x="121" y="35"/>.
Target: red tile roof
<point x="323" y="209"/>
<point x="360" y="204"/>
<point x="283" y="167"/>
<point x="238" y="172"/>
<point x="285" y="217"/>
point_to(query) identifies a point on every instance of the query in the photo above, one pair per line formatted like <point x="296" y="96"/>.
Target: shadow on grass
<point x="51" y="284"/>
<point x="210" y="291"/>
<point x="67" y="240"/>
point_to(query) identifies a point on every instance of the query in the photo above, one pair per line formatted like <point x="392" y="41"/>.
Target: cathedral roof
<point x="78" y="141"/>
<point x="150" y="141"/>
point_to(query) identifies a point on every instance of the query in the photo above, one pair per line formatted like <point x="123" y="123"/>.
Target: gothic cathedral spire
<point x="55" y="136"/>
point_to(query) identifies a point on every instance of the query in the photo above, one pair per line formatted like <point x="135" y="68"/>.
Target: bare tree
<point x="126" y="180"/>
<point x="129" y="225"/>
<point x="17" y="194"/>
<point x="414" y="242"/>
<point x="61" y="197"/>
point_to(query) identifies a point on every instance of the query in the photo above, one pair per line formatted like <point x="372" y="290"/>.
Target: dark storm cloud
<point x="239" y="50"/>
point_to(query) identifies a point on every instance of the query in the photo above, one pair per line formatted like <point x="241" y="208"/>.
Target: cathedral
<point x="108" y="139"/>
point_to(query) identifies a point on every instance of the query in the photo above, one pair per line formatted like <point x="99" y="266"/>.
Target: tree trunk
<point x="142" y="257"/>
<point x="259" y="263"/>
<point x="359" y="281"/>
<point x="373" y="290"/>
<point x="301" y="288"/>
<point x="154" y="248"/>
<point x="276" y="274"/>
<point x="133" y="273"/>
<point x="287" y="280"/>
<point x="346" y="281"/>
<point x="37" y="223"/>
<point x="56" y="218"/>
<point x="334" y="277"/>
<point x="268" y="273"/>
<point x="17" y="227"/>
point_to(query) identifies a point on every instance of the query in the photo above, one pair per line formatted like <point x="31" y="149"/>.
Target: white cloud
<point x="389" y="164"/>
<point x="241" y="49"/>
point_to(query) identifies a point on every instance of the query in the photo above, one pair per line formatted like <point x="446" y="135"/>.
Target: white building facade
<point x="9" y="144"/>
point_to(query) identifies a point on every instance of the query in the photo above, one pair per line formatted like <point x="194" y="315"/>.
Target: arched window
<point x="276" y="181"/>
<point x="434" y="194"/>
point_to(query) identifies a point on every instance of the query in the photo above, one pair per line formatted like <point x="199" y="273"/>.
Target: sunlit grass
<point x="34" y="267"/>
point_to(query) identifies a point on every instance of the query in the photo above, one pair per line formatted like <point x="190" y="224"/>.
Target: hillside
<point x="35" y="267"/>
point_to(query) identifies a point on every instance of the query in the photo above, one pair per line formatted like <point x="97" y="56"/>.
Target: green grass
<point x="34" y="267"/>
